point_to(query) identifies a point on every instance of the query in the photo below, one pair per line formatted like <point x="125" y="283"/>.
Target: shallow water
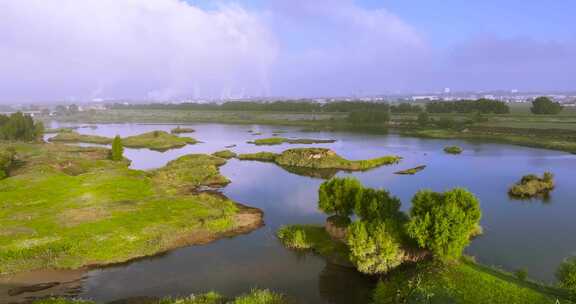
<point x="535" y="235"/>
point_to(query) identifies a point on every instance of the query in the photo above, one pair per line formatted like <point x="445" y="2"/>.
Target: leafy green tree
<point x="20" y="127"/>
<point x="566" y="274"/>
<point x="374" y="246"/>
<point x="116" y="154"/>
<point x="423" y="119"/>
<point x="339" y="195"/>
<point x="444" y="222"/>
<point x="373" y="204"/>
<point x="544" y="105"/>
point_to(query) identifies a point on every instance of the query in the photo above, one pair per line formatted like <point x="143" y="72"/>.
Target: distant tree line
<point x="20" y="127"/>
<point x="545" y="105"/>
<point x="482" y="105"/>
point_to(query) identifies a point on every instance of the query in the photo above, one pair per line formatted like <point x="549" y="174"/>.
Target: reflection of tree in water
<point x="316" y="173"/>
<point x="545" y="198"/>
<point x="345" y="285"/>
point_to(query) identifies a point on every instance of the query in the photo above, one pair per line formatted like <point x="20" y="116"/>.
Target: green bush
<point x="532" y="185"/>
<point x="444" y="222"/>
<point x="453" y="150"/>
<point x="116" y="154"/>
<point x="375" y="204"/>
<point x="544" y="105"/>
<point x="521" y="274"/>
<point x="375" y="246"/>
<point x="293" y="237"/>
<point x="339" y="196"/>
<point x="566" y="274"/>
<point x="423" y="119"/>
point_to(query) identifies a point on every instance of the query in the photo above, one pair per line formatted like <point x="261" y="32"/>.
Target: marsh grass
<point x="532" y="185"/>
<point x="453" y="150"/>
<point x="104" y="212"/>
<point x="226" y="154"/>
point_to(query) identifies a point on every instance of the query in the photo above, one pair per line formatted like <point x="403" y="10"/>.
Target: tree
<point x="373" y="204"/>
<point x="544" y="105"/>
<point x="566" y="274"/>
<point x="20" y="127"/>
<point x="423" y="119"/>
<point x="116" y="154"/>
<point x="374" y="246"/>
<point x="444" y="222"/>
<point x="339" y="196"/>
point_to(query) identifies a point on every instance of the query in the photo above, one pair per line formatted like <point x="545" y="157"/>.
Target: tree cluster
<point x="441" y="223"/>
<point x="20" y="127"/>
<point x="545" y="105"/>
<point x="362" y="117"/>
<point x="405" y="107"/>
<point x="482" y="105"/>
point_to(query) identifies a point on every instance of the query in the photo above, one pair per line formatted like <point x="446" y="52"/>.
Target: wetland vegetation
<point x="532" y="185"/>
<point x="281" y="140"/>
<point x="453" y="150"/>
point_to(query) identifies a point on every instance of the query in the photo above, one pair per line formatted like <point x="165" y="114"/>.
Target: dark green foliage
<point x="566" y="274"/>
<point x="6" y="158"/>
<point x="20" y="127"/>
<point x="116" y="154"/>
<point x="405" y="107"/>
<point x="368" y="117"/>
<point x="423" y="119"/>
<point x="444" y="222"/>
<point x="521" y="274"/>
<point x="544" y="105"/>
<point x="376" y="204"/>
<point x="446" y="123"/>
<point x="375" y="246"/>
<point x="482" y="105"/>
<point x="339" y="196"/>
<point x="453" y="150"/>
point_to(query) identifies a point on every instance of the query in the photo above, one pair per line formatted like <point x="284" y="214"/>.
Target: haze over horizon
<point x="162" y="49"/>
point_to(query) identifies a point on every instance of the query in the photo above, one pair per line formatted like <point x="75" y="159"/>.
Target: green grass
<point x="75" y="137"/>
<point x="453" y="150"/>
<point x="315" y="238"/>
<point x="281" y="140"/>
<point x="320" y="158"/>
<point x="256" y="296"/>
<point x="259" y="156"/>
<point x="465" y="282"/>
<point x="67" y="207"/>
<point x="411" y="171"/>
<point x="157" y="140"/>
<point x="226" y="154"/>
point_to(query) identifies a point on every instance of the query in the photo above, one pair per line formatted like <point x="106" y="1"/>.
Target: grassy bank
<point x="155" y="140"/>
<point x="68" y="207"/>
<point x="281" y="140"/>
<point x="256" y="296"/>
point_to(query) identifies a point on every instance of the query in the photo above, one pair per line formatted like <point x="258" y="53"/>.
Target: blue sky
<point x="163" y="49"/>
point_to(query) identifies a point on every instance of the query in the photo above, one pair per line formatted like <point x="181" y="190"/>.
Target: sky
<point x="74" y="50"/>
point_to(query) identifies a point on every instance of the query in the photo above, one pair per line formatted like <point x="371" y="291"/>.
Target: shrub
<point x="521" y="274"/>
<point x="293" y="237"/>
<point x="375" y="246"/>
<point x="531" y="185"/>
<point x="259" y="296"/>
<point x="566" y="274"/>
<point x="373" y="204"/>
<point x="444" y="222"/>
<point x="116" y="154"/>
<point x="339" y="196"/>
<point x="544" y="105"/>
<point x="453" y="150"/>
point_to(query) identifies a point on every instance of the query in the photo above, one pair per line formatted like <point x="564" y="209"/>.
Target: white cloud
<point x="133" y="48"/>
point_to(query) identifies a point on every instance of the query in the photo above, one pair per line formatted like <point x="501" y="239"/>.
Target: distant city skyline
<point x="171" y="49"/>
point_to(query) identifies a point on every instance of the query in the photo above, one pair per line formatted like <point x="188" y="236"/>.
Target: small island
<point x="180" y="130"/>
<point x="282" y="140"/>
<point x="411" y="171"/>
<point x="155" y="140"/>
<point x="532" y="185"/>
<point x="319" y="158"/>
<point x="453" y="150"/>
<point x="226" y="154"/>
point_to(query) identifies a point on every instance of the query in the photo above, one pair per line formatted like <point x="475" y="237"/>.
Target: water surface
<point x="535" y="234"/>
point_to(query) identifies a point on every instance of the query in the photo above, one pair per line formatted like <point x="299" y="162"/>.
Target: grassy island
<point x="180" y="130"/>
<point x="453" y="150"/>
<point x="319" y="158"/>
<point x="281" y="140"/>
<point x="256" y="296"/>
<point x="226" y="154"/>
<point x="411" y="171"/>
<point x="75" y="137"/>
<point x="68" y="207"/>
<point x="155" y="140"/>
<point x="532" y="185"/>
